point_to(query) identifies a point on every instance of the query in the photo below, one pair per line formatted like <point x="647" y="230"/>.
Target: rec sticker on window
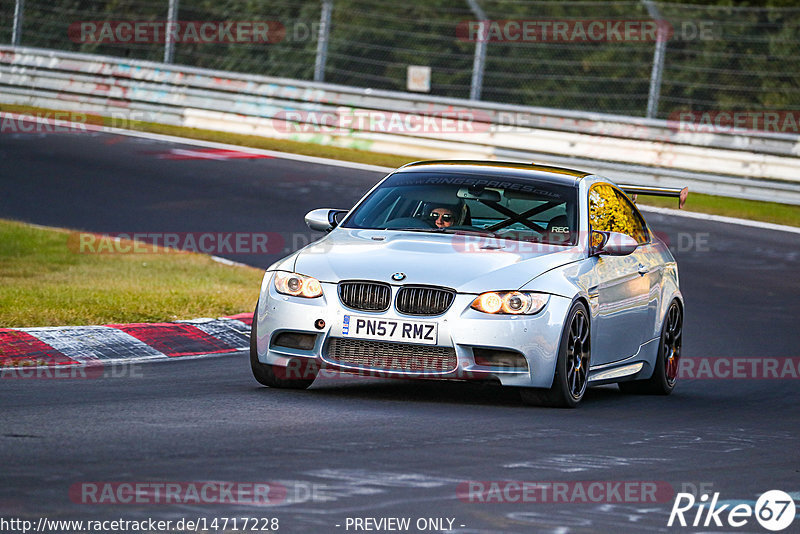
<point x="420" y="332"/>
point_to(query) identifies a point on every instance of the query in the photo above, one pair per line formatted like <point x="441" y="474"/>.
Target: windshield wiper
<point x="425" y="230"/>
<point x="477" y="231"/>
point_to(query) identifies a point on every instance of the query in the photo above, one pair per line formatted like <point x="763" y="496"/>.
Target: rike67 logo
<point x="774" y="510"/>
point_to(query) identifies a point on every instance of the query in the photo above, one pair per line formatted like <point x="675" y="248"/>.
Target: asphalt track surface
<point x="357" y="448"/>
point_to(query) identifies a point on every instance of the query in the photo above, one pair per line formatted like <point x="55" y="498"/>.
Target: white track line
<point x="230" y="263"/>
<point x="364" y="167"/>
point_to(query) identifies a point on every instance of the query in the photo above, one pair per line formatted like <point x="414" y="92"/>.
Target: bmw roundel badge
<point x="398" y="276"/>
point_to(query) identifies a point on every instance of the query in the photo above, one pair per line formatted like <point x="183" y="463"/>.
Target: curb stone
<point x="117" y="343"/>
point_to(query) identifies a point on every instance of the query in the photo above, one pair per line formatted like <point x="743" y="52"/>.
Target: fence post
<point x="322" y="40"/>
<point x="479" y="60"/>
<point x="169" y="44"/>
<point x="16" y="35"/>
<point x="658" y="60"/>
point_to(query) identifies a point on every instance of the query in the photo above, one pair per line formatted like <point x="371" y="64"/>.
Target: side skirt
<point x="640" y="363"/>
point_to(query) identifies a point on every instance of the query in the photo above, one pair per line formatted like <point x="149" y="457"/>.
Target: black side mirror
<point x="612" y="243"/>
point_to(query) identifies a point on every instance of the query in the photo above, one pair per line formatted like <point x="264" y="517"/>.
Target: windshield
<point x="509" y="208"/>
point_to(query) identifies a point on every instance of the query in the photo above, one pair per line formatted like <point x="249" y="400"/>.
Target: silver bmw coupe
<point x="538" y="277"/>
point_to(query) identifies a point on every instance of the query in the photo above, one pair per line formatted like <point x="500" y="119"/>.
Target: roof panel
<point x="546" y="173"/>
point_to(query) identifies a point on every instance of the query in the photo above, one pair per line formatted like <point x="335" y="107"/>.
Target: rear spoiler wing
<point x="633" y="190"/>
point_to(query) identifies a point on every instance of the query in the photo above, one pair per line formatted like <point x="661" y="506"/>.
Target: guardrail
<point x="762" y="166"/>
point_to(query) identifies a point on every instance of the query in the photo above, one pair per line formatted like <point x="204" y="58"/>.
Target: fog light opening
<point x="295" y="340"/>
<point x="506" y="359"/>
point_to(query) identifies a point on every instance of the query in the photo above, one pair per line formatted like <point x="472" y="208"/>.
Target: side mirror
<point x="612" y="243"/>
<point x="323" y="219"/>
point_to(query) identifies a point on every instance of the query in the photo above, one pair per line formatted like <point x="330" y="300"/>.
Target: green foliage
<point x="745" y="58"/>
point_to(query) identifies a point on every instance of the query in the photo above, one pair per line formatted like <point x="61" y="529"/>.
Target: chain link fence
<point x="711" y="56"/>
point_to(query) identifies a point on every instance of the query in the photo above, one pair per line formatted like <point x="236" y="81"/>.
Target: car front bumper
<point x="461" y="328"/>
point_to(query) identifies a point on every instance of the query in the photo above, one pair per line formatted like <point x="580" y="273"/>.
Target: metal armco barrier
<point x="758" y="165"/>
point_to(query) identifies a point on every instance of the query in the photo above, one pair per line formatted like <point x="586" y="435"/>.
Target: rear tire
<point x="572" y="367"/>
<point x="669" y="353"/>
<point x="268" y="375"/>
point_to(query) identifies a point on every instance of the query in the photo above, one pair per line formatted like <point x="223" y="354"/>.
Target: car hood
<point x="466" y="263"/>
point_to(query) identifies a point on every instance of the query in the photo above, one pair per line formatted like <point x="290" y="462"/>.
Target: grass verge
<point x="45" y="282"/>
<point x="772" y="212"/>
<point x="733" y="207"/>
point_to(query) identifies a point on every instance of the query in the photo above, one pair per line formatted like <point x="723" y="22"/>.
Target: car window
<point x="511" y="208"/>
<point x="611" y="211"/>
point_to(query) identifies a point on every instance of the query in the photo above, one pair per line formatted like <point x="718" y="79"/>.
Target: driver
<point x="442" y="217"/>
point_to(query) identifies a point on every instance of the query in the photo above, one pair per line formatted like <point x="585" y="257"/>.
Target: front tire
<point x="572" y="367"/>
<point x="669" y="353"/>
<point x="268" y="375"/>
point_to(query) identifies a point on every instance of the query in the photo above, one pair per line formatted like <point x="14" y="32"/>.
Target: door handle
<point x="643" y="269"/>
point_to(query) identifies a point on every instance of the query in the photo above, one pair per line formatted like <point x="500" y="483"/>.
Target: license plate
<point x="389" y="330"/>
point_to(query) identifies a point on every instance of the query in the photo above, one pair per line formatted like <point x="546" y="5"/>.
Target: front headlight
<point x="510" y="302"/>
<point x="297" y="285"/>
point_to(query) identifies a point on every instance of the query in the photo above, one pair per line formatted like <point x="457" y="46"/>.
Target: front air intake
<point x="424" y="300"/>
<point x="388" y="356"/>
<point x="365" y="296"/>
